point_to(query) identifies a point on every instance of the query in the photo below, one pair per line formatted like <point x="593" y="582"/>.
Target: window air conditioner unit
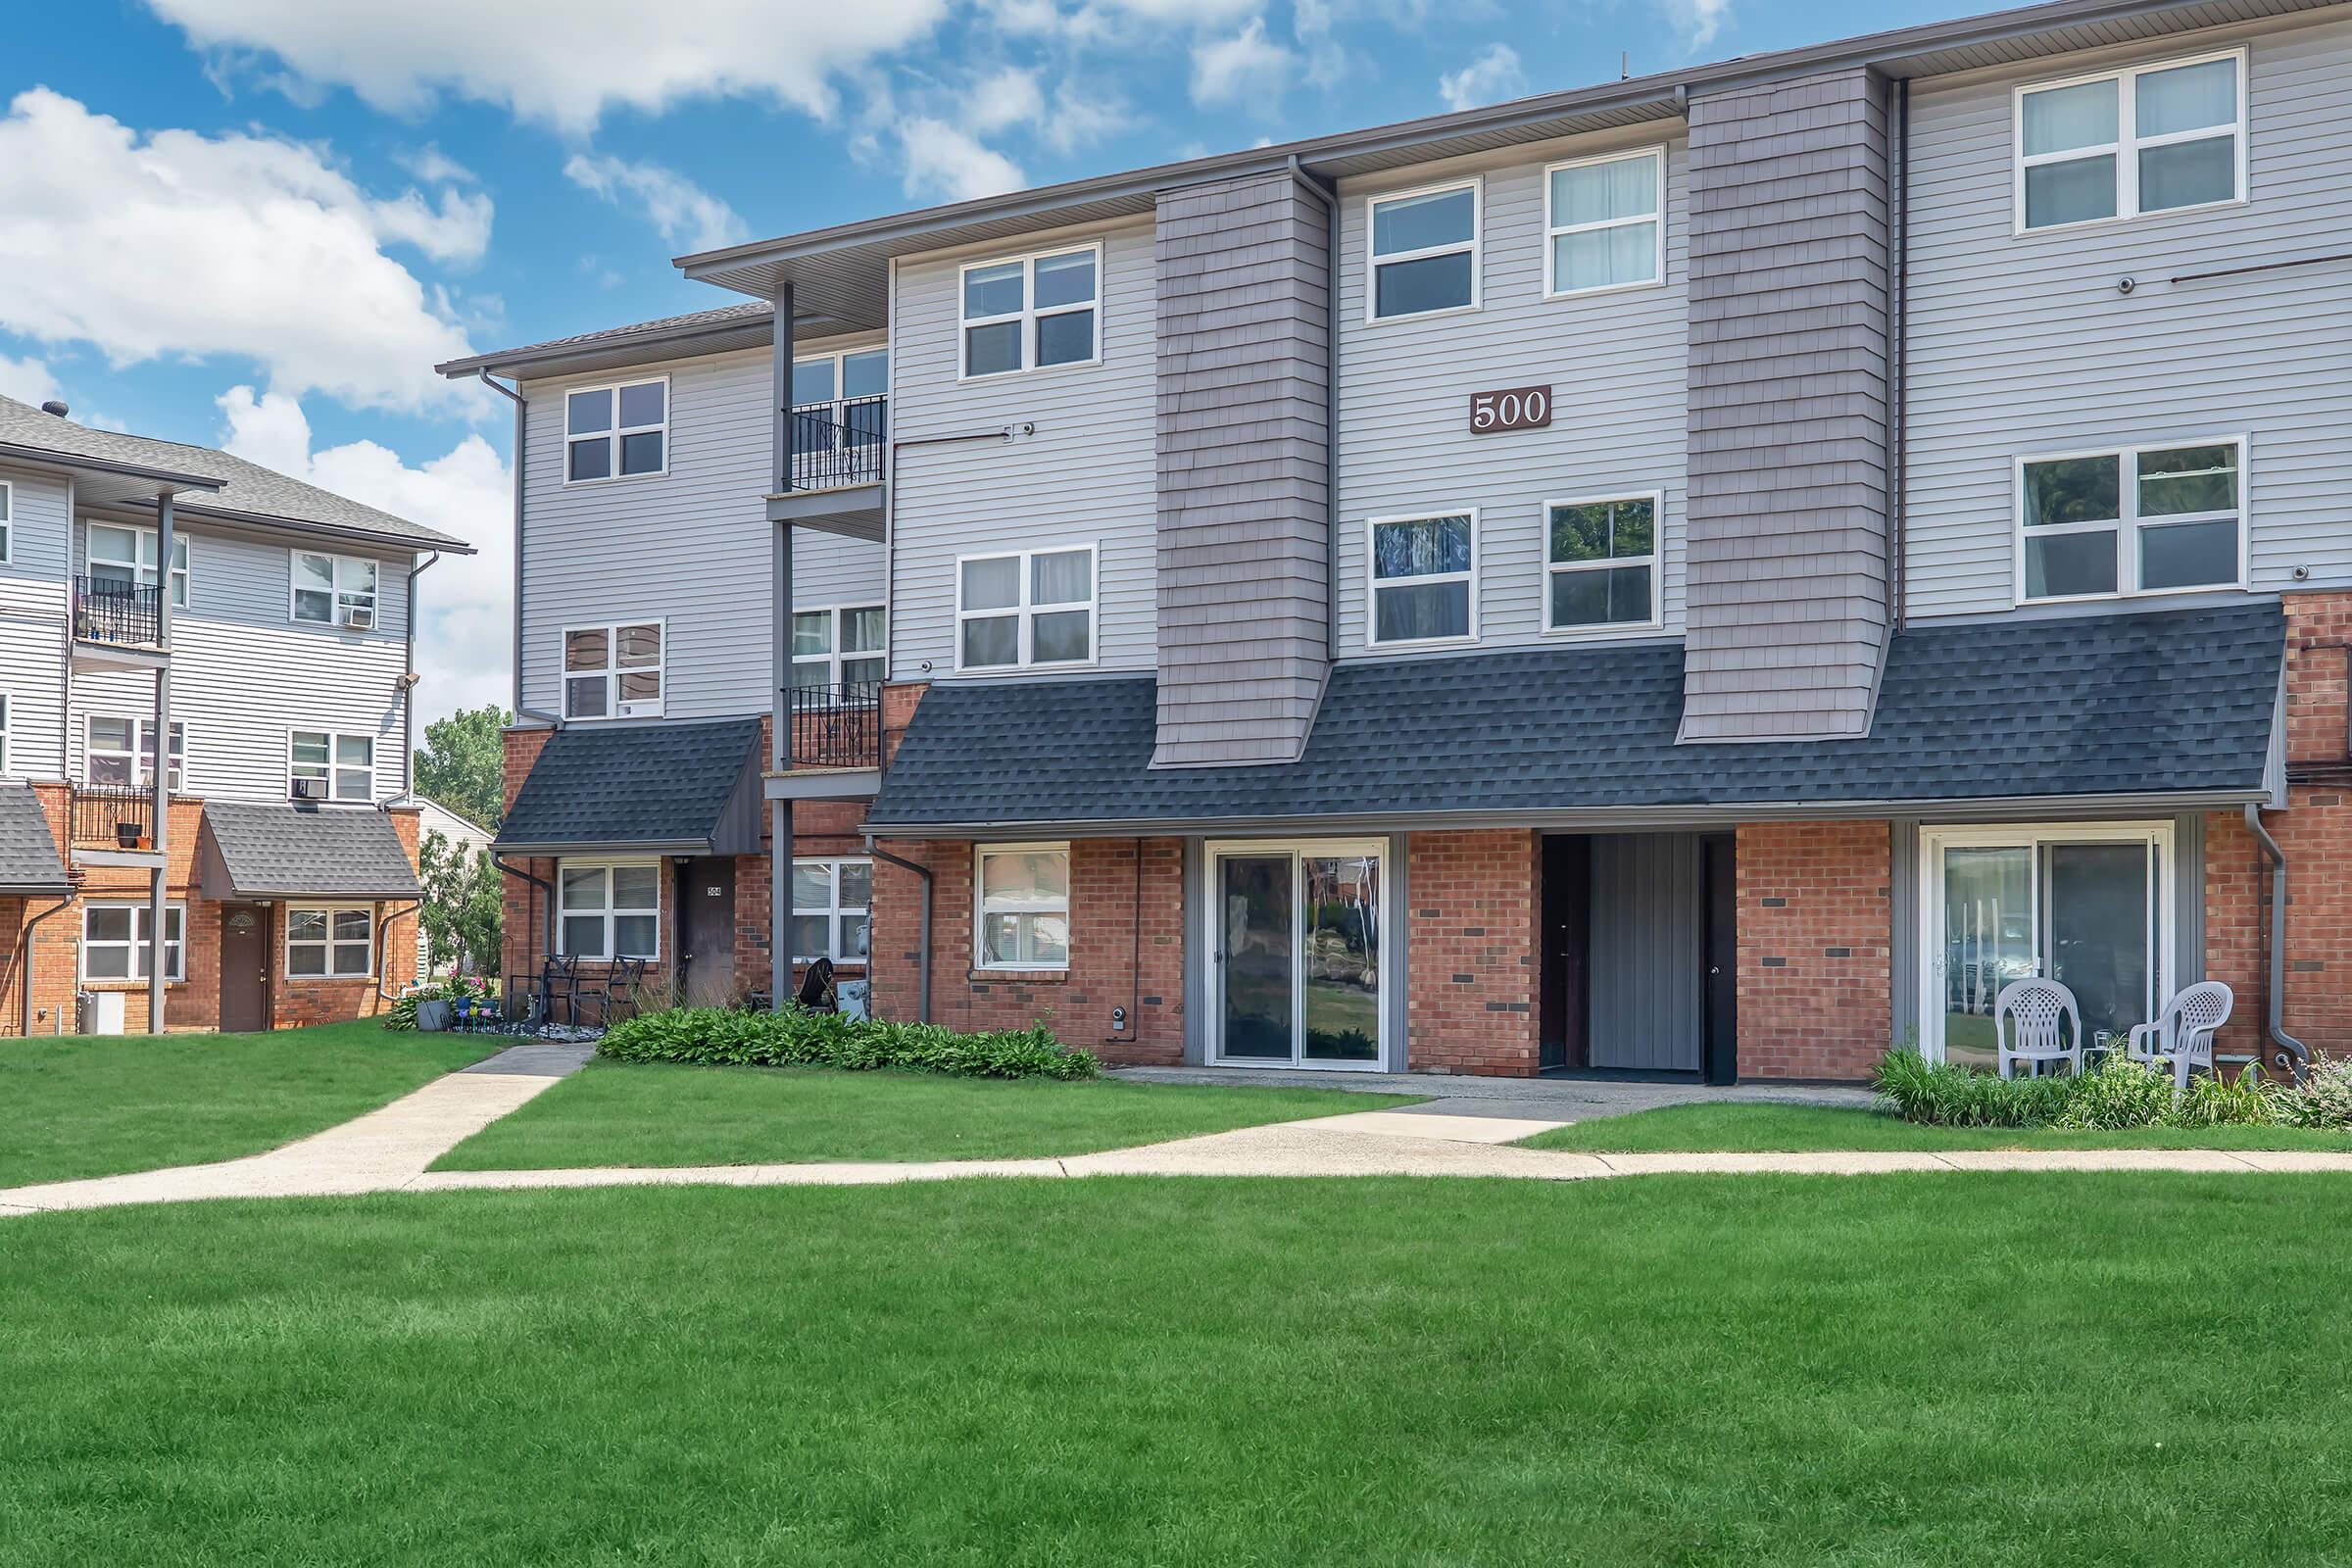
<point x="309" y="789"/>
<point x="360" y="617"/>
<point x="639" y="709"/>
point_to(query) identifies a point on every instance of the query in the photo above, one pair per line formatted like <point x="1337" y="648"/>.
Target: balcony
<point x="112" y="819"/>
<point x="117" y="623"/>
<point x="836" y="742"/>
<point x="833" y="480"/>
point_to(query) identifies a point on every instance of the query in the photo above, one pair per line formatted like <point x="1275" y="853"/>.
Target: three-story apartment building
<point x="1707" y="574"/>
<point x="150" y="589"/>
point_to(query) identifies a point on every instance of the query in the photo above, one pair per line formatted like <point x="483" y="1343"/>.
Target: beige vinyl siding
<point x="1084" y="475"/>
<point x="2023" y="344"/>
<point x="1616" y="363"/>
<point x="689" y="546"/>
<point x="244" y="672"/>
<point x="32" y="619"/>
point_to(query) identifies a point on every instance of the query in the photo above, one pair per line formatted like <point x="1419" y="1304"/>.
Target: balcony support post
<point x="779" y="722"/>
<point x="160" y="893"/>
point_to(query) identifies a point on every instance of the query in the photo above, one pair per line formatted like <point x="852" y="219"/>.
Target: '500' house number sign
<point x="1520" y="407"/>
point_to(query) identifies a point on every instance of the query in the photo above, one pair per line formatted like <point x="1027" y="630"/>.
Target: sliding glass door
<point x="2086" y="904"/>
<point x="1295" y="939"/>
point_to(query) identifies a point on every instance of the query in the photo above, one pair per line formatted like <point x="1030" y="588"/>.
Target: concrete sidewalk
<point x="1552" y="1100"/>
<point x="388" y="1150"/>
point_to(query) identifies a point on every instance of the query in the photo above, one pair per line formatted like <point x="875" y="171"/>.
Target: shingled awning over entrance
<point x="260" y="850"/>
<point x="656" y="789"/>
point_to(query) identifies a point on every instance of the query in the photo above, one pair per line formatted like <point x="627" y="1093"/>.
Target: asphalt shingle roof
<point x="2112" y="704"/>
<point x="28" y="858"/>
<point x="614" y="336"/>
<point x="270" y="850"/>
<point x="247" y="489"/>
<point x="649" y="784"/>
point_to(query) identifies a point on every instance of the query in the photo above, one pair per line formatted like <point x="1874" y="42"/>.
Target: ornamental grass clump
<point x="2116" y="1093"/>
<point x="796" y="1037"/>
<point x="2324" y="1099"/>
<point x="1943" y="1094"/>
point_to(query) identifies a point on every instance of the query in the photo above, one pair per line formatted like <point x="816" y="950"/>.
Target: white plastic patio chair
<point x="2181" y="1037"/>
<point x="2038" y="1007"/>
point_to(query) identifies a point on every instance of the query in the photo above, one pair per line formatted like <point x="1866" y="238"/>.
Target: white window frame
<point x="1553" y="229"/>
<point x="1027" y="610"/>
<point x="175" y="953"/>
<point x="2125" y="147"/>
<point x="611" y="434"/>
<point x="1028" y="314"/>
<point x="327" y="944"/>
<point x="142" y="573"/>
<point x="1655" y="560"/>
<point x="4" y="721"/>
<point x="8" y="522"/>
<point x="837" y="618"/>
<point x="833" y="910"/>
<point x="343" y="598"/>
<point x="1373" y="582"/>
<point x="612" y="672"/>
<point x="334" y="768"/>
<point x="140" y="729"/>
<point x="2127" y="527"/>
<point x="980" y="910"/>
<point x="1476" y="185"/>
<point x="611" y="912"/>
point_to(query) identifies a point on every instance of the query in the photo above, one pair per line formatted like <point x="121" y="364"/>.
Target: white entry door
<point x="2087" y="905"/>
<point x="1296" y="937"/>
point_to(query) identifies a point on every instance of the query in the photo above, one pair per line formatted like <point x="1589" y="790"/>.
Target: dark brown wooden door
<point x="707" y="930"/>
<point x="244" y="969"/>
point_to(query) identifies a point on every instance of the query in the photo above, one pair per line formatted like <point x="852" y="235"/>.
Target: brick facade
<point x="1470" y="992"/>
<point x="1816" y="923"/>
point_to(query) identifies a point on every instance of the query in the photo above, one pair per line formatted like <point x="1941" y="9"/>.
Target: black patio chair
<point x="560" y="980"/>
<point x="817" y="992"/>
<point x="623" y="986"/>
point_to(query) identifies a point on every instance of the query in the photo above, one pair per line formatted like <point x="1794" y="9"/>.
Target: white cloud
<point x="178" y="244"/>
<point x="1002" y="99"/>
<point x="949" y="164"/>
<point x="688" y="216"/>
<point x="1696" y="22"/>
<point x="464" y="649"/>
<point x="1248" y="68"/>
<point x="1076" y="121"/>
<point x="435" y="167"/>
<point x="1493" y="78"/>
<point x="564" y="63"/>
<point x="28" y="380"/>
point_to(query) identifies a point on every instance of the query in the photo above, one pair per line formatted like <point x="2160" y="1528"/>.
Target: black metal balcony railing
<point x="836" y="726"/>
<point x="112" y="816"/>
<point x="837" y="444"/>
<point x="107" y="610"/>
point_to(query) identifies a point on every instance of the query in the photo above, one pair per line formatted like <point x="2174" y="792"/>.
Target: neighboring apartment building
<point x="150" y="589"/>
<point x="1707" y="574"/>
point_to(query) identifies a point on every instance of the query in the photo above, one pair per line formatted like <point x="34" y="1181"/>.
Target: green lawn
<point x="1994" y="1369"/>
<point x="1751" y="1128"/>
<point x="634" y="1113"/>
<point x="99" y="1106"/>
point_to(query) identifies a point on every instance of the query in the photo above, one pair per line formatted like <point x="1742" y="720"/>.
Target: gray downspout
<point x="547" y="935"/>
<point x="407" y="687"/>
<point x="522" y="409"/>
<point x="779" y="722"/>
<point x="922" y="1001"/>
<point x="160" y="893"/>
<point x="1899" y="592"/>
<point x="383" y="927"/>
<point x="1331" y="406"/>
<point x="2292" y="1055"/>
<point x="25" y="950"/>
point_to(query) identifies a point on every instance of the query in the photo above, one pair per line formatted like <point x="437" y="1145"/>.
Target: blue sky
<point x="259" y="222"/>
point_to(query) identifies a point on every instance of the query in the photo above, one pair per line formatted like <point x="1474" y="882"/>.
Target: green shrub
<point x="2324" y="1099"/>
<point x="1943" y="1094"/>
<point x="793" y="1038"/>
<point x="403" y="1015"/>
<point x="2212" y="1100"/>
<point x="2117" y="1092"/>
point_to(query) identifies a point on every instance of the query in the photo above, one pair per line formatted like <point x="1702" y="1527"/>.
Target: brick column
<point x="1471" y="938"/>
<point x="1816" y="918"/>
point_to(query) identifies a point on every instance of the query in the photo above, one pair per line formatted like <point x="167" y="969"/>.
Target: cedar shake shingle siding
<point x="1786" y="553"/>
<point x="1245" y="364"/>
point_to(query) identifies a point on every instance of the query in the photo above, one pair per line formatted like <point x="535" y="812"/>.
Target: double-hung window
<point x="1028" y="608"/>
<point x="334" y="766"/>
<point x="8" y="520"/>
<point x="1604" y="222"/>
<point x="1424" y="578"/>
<point x="121" y="752"/>
<point x="615" y="432"/>
<point x="323" y="942"/>
<point x="1423" y="251"/>
<point x="2149" y="139"/>
<point x="1601" y="564"/>
<point x="840" y="647"/>
<point x="4" y="717"/>
<point x="118" y="941"/>
<point x="333" y="590"/>
<point x="830" y="900"/>
<point x="611" y="910"/>
<point x="1021" y="910"/>
<point x="2141" y="521"/>
<point x="126" y="556"/>
<point x="612" y="671"/>
<point x="1032" y="313"/>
